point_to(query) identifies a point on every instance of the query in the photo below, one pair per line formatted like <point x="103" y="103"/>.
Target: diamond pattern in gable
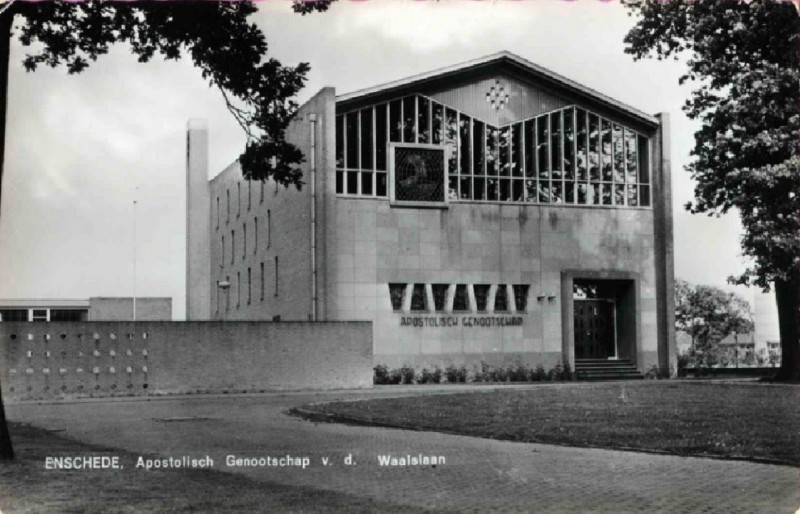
<point x="496" y="98"/>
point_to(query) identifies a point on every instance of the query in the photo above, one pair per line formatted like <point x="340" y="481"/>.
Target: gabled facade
<point x="488" y="212"/>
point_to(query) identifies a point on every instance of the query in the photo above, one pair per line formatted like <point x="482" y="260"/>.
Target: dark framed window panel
<point x="569" y="156"/>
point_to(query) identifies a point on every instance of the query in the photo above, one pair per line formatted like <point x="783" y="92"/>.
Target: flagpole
<point x="134" y="252"/>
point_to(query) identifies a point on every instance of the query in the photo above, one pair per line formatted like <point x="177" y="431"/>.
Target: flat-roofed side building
<point x="92" y="309"/>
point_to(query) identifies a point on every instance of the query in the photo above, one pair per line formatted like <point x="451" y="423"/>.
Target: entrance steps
<point x="605" y="369"/>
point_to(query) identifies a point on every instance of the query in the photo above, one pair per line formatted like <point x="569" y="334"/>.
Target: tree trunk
<point x="787" y="295"/>
<point x="6" y="19"/>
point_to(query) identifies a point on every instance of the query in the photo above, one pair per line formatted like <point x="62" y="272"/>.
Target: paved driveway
<point x="479" y="475"/>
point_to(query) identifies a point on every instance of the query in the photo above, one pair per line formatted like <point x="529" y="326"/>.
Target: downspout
<point x="313" y="119"/>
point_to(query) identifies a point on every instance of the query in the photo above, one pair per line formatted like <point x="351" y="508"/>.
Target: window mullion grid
<point x="374" y="153"/>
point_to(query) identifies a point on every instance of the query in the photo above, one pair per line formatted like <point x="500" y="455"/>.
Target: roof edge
<point x="497" y="58"/>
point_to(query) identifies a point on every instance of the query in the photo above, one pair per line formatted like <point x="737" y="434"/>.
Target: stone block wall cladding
<point x="375" y="244"/>
<point x="100" y="359"/>
<point x="273" y="230"/>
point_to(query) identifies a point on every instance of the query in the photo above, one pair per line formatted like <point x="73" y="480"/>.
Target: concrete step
<point x="605" y="369"/>
<point x="595" y="365"/>
<point x="609" y="374"/>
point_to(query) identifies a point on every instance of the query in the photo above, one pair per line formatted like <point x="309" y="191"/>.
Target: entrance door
<point x="594" y="329"/>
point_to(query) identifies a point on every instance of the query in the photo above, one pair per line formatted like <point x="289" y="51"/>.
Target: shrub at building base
<point x="483" y="373"/>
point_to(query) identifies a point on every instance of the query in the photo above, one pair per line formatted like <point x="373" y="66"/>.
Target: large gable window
<point x="568" y="156"/>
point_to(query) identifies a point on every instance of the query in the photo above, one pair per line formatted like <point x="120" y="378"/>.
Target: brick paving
<point x="479" y="475"/>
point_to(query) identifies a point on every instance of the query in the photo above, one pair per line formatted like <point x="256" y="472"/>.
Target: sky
<point x="81" y="148"/>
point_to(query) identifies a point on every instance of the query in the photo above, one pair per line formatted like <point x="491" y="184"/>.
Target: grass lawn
<point x="758" y="422"/>
<point x="26" y="486"/>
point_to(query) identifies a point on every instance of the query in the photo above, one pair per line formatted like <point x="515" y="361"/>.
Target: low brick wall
<point x="100" y="359"/>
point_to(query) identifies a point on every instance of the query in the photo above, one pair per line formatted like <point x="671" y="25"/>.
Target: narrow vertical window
<point x="529" y="137"/>
<point x="569" y="155"/>
<point x="233" y="245"/>
<point x="261" y="200"/>
<point x="423" y="120"/>
<point x="451" y="150"/>
<point x="244" y="241"/>
<point x="262" y="282"/>
<point x="503" y="152"/>
<point x="465" y="156"/>
<point x="276" y="275"/>
<point x="381" y="145"/>
<point x="516" y="149"/>
<point x="339" y="155"/>
<point x="228" y="206"/>
<point x="255" y="235"/>
<point x="380" y="137"/>
<point x="351" y="152"/>
<point x="218" y="212"/>
<point x="631" y="162"/>
<point x="478" y="135"/>
<point x="238" y="289"/>
<point x="501" y="298"/>
<point x="223" y="251"/>
<point x="440" y="296"/>
<point x="419" y="299"/>
<point x="481" y="296"/>
<point x="461" y="299"/>
<point x="395" y="123"/>
<point x="594" y="160"/>
<point x="644" y="171"/>
<point x="521" y="296"/>
<point x="582" y="159"/>
<point x="249" y="194"/>
<point x="605" y="145"/>
<point x="437" y="122"/>
<point x="543" y="161"/>
<point x="409" y="119"/>
<point x="367" y="154"/>
<point x="269" y="228"/>
<point x="238" y="199"/>
<point x="248" y="286"/>
<point x="396" y="292"/>
<point x="465" y="138"/>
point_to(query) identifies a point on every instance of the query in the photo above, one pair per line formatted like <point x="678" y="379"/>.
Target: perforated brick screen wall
<point x="52" y="360"/>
